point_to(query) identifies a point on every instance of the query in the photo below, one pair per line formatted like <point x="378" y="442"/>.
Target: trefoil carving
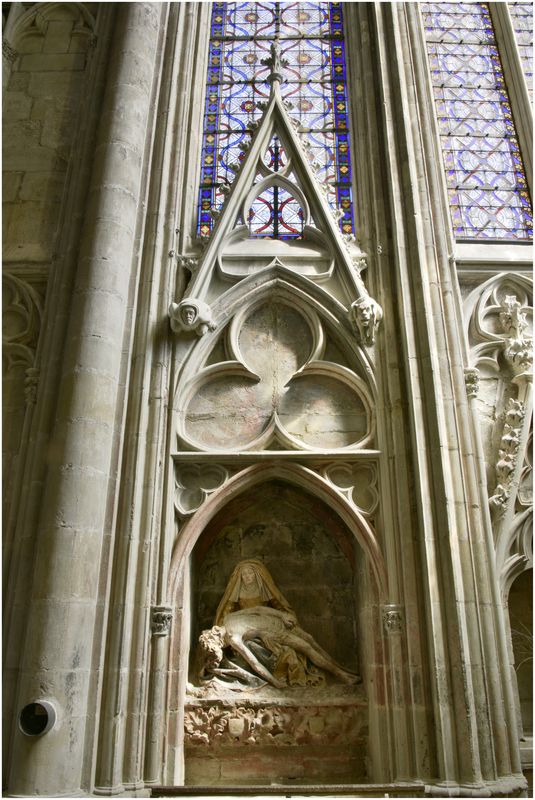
<point x="195" y="483"/>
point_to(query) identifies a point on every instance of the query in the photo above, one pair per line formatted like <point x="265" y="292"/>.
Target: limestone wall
<point x="45" y="73"/>
<point x="41" y="105"/>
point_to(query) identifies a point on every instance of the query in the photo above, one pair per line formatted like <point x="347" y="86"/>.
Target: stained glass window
<point x="311" y="39"/>
<point x="522" y="19"/>
<point x="484" y="171"/>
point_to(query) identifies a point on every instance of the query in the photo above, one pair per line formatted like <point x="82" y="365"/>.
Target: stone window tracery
<point x="485" y="176"/>
<point x="314" y="86"/>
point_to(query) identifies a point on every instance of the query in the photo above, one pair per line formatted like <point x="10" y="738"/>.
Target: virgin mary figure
<point x="256" y="634"/>
<point x="250" y="585"/>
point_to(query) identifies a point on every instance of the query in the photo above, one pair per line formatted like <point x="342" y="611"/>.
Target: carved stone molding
<point x="275" y="725"/>
<point x="471" y="379"/>
<point x="160" y="620"/>
<point x="393" y="618"/>
<point x="509" y="445"/>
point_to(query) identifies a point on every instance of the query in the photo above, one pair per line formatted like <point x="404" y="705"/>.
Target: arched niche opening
<point x="521" y="623"/>
<point x="297" y="734"/>
<point x="306" y="548"/>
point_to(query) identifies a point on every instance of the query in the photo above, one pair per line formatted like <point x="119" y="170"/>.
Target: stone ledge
<point x="327" y="791"/>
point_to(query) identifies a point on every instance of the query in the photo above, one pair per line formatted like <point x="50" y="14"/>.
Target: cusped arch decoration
<point x="179" y="582"/>
<point x="299" y="290"/>
<point x="33" y="22"/>
<point x="278" y="373"/>
<point x="484" y="312"/>
<point x="297" y="475"/>
<point x="514" y="553"/>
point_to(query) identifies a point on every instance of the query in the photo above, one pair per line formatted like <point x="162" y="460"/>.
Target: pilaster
<point x="135" y="661"/>
<point x="77" y="514"/>
<point x="469" y="693"/>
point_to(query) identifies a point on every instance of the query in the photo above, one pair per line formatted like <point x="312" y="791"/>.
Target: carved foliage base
<point x="268" y="741"/>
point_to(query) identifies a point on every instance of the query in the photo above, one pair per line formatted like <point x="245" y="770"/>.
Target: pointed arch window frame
<point x="211" y="198"/>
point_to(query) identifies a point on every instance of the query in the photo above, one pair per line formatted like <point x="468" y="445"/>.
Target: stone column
<point x="79" y="497"/>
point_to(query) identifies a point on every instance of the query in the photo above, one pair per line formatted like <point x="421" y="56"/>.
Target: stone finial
<point x="275" y="62"/>
<point x="392" y="618"/>
<point x="160" y="620"/>
<point x="366" y="314"/>
<point x="471" y="380"/>
<point x="191" y="316"/>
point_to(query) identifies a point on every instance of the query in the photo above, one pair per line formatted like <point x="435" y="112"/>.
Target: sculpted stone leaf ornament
<point x="518" y="350"/>
<point x="508" y="455"/>
<point x="255" y="623"/>
<point x="161" y="619"/>
<point x="471" y="379"/>
<point x="279" y="726"/>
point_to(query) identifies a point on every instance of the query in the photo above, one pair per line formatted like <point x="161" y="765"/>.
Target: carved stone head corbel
<point x="366" y="314"/>
<point x="191" y="316"/>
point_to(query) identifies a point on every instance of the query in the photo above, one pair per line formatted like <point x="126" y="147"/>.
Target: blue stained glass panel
<point x="276" y="214"/>
<point x="311" y="37"/>
<point x="485" y="175"/>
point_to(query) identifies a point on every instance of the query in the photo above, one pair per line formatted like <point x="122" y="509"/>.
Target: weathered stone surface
<point x="315" y="742"/>
<point x="17" y="105"/>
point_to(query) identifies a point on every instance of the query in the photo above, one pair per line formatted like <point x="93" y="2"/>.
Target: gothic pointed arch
<point x="302" y="477"/>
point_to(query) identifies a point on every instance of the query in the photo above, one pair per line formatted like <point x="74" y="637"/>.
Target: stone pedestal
<point x="304" y="737"/>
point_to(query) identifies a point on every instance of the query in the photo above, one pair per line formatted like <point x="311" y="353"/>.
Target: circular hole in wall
<point x="37" y="718"/>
